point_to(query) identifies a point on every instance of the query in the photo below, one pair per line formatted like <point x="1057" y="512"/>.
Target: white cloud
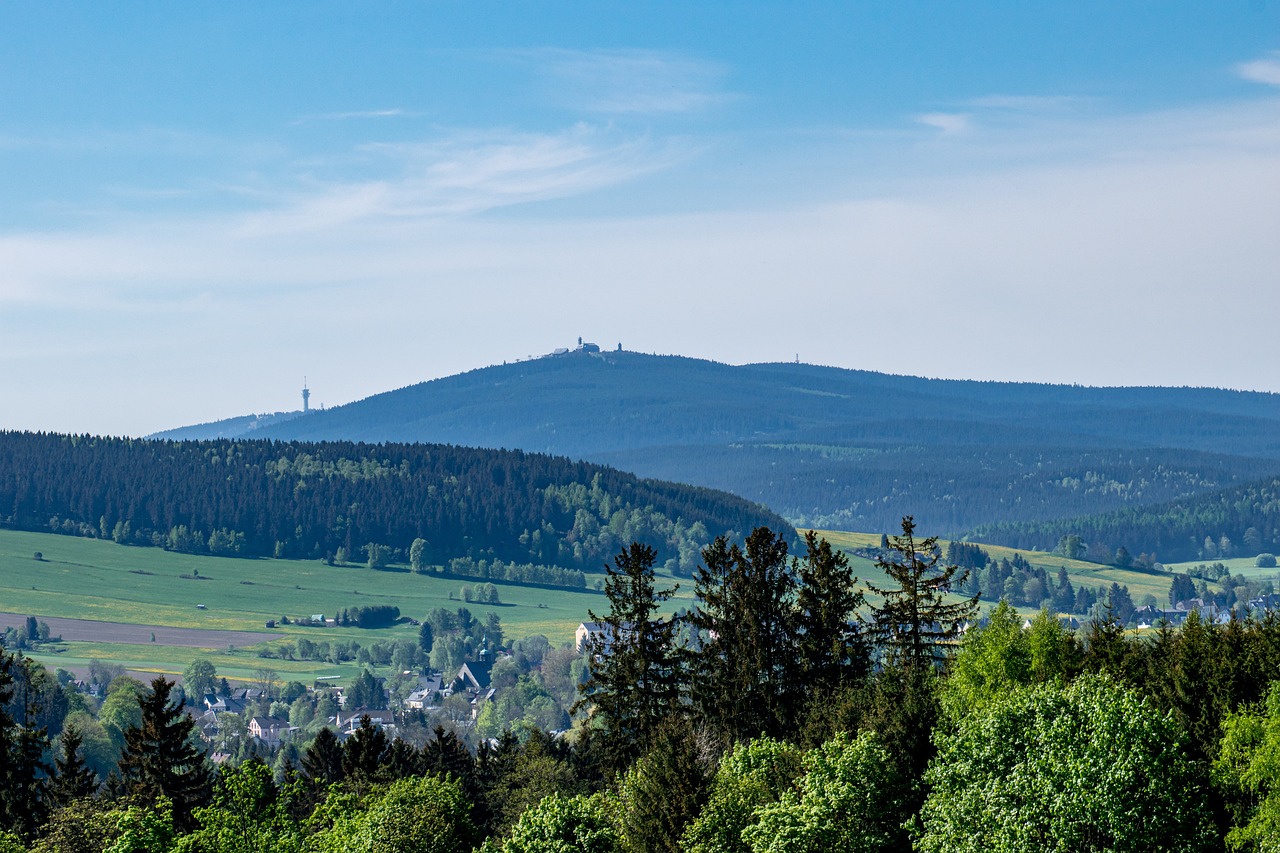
<point x="1026" y="103"/>
<point x="949" y="123"/>
<point x="354" y="114"/>
<point x="627" y="81"/>
<point x="1265" y="70"/>
<point x="472" y="172"/>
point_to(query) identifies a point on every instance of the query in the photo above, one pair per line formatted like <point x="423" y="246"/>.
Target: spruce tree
<point x="664" y="791"/>
<point x="744" y="680"/>
<point x="322" y="762"/>
<point x="831" y="651"/>
<point x="634" y="683"/>
<point x="23" y="771"/>
<point x="159" y="758"/>
<point x="915" y="624"/>
<point x="363" y="754"/>
<point x="72" y="779"/>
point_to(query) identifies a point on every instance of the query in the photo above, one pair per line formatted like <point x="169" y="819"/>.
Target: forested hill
<point x="334" y="499"/>
<point x="1240" y="521"/>
<point x="837" y="447"/>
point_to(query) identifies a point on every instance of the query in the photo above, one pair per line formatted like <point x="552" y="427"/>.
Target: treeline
<point x="1240" y="521"/>
<point x="331" y="500"/>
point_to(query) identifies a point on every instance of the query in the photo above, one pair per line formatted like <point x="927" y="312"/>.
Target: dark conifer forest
<point x="337" y="499"/>
<point x="1239" y="521"/>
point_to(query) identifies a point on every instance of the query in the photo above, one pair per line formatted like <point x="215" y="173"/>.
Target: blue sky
<point x="206" y="202"/>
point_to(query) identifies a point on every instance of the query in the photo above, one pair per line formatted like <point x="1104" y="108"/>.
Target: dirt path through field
<point x="122" y="632"/>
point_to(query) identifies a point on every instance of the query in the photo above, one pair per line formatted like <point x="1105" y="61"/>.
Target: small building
<point x="474" y="676"/>
<point x="597" y="635"/>
<point x="269" y="730"/>
<point x="381" y="718"/>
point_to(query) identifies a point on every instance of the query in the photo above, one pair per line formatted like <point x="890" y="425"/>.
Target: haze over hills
<point x="831" y="446"/>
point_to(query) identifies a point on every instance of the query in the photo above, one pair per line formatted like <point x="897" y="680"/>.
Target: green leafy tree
<point x="752" y="776"/>
<point x="160" y="760"/>
<point x="851" y="797"/>
<point x="120" y="710"/>
<point x="1071" y="546"/>
<point x="1089" y="767"/>
<point x="417" y="815"/>
<point x="634" y="684"/>
<point x="378" y="556"/>
<point x="916" y="624"/>
<point x="560" y="824"/>
<point x="82" y="826"/>
<point x="1248" y="767"/>
<point x="145" y="829"/>
<point x="1055" y="652"/>
<point x="418" y="555"/>
<point x="198" y="679"/>
<point x="993" y="659"/>
<point x="247" y="815"/>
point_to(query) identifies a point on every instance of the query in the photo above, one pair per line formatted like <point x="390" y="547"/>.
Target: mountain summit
<point x="832" y="446"/>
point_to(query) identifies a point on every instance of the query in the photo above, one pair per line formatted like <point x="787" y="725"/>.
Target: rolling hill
<point x="498" y="515"/>
<point x="835" y="447"/>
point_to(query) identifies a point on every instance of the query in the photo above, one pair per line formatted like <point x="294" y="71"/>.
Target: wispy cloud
<point x="627" y="81"/>
<point x="471" y="172"/>
<point x="354" y="115"/>
<point x="1026" y="103"/>
<point x="949" y="123"/>
<point x="1265" y="70"/>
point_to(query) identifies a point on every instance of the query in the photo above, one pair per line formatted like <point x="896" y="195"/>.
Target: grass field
<point x="1140" y="583"/>
<point x="97" y="580"/>
<point x="94" y="579"/>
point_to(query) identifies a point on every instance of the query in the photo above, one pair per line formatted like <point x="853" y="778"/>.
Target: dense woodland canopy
<point x="1241" y="521"/>
<point x="898" y="733"/>
<point x="337" y="499"/>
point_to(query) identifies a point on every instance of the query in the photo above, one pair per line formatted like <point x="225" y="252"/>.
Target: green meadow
<point x="94" y="579"/>
<point x="1140" y="582"/>
<point x="99" y="580"/>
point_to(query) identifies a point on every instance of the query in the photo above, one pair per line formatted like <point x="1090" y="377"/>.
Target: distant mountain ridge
<point x="825" y="445"/>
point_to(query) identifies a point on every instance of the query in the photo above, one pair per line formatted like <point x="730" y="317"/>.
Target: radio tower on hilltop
<point x="306" y="396"/>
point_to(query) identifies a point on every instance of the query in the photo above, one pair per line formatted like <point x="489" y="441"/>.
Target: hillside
<point x="505" y="515"/>
<point x="1240" y="521"/>
<point x="834" y="447"/>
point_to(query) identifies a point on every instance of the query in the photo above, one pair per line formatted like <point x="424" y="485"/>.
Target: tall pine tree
<point x="72" y="779"/>
<point x="634" y="684"/>
<point x="915" y="624"/>
<point x="744" y="680"/>
<point x="832" y="653"/>
<point x="23" y="771"/>
<point x="160" y="759"/>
